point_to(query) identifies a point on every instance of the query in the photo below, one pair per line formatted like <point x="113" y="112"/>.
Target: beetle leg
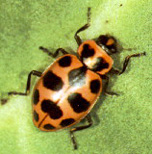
<point x="27" y="90"/>
<point x="125" y="63"/>
<point x="55" y="54"/>
<point x="89" y="120"/>
<point x="76" y="36"/>
<point x="4" y="101"/>
<point x="106" y="78"/>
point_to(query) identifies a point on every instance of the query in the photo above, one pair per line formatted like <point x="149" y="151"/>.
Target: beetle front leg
<point x="87" y="25"/>
<point x="125" y="63"/>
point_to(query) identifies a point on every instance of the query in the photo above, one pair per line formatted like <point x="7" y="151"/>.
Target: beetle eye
<point x="109" y="42"/>
<point x="103" y="39"/>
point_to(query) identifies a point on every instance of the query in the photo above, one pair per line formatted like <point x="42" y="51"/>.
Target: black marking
<point x="36" y="116"/>
<point x="52" y="109"/>
<point x="103" y="39"/>
<point x="48" y="126"/>
<point x="65" y="61"/>
<point x="100" y="64"/>
<point x="95" y="86"/>
<point x="78" y="103"/>
<point x="67" y="122"/>
<point x="77" y="76"/>
<point x="42" y="120"/>
<point x="52" y="81"/>
<point x="36" y="96"/>
<point x="87" y="51"/>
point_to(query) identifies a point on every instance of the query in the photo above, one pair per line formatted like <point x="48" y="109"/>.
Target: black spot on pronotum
<point x="52" y="81"/>
<point x="48" y="126"/>
<point x="52" y="109"/>
<point x="100" y="64"/>
<point x="95" y="86"/>
<point x="67" y="122"/>
<point x="78" y="103"/>
<point x="77" y="76"/>
<point x="65" y="61"/>
<point x="87" y="51"/>
<point x="36" y="96"/>
<point x="36" y="116"/>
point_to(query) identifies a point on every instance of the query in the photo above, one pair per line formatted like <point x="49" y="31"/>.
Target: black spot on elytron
<point x="67" y="122"/>
<point x="65" y="61"/>
<point x="87" y="51"/>
<point x="100" y="64"/>
<point x="78" y="103"/>
<point x="95" y="86"/>
<point x="36" y="116"/>
<point x="36" y="96"/>
<point x="52" y="81"/>
<point x="48" y="126"/>
<point x="52" y="109"/>
<point x="77" y="77"/>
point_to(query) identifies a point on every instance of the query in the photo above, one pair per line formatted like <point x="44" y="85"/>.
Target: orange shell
<point x="61" y="97"/>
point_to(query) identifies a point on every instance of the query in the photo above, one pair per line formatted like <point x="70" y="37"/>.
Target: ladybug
<point x="69" y="88"/>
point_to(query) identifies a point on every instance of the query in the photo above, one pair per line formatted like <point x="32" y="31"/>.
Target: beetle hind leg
<point x="89" y="120"/>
